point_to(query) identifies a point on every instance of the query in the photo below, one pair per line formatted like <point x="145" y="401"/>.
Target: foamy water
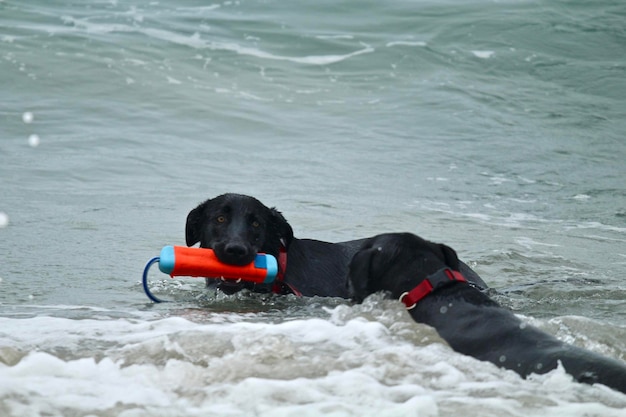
<point x="367" y="360"/>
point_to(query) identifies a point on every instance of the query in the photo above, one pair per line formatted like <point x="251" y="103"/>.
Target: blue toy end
<point x="167" y="260"/>
<point x="269" y="263"/>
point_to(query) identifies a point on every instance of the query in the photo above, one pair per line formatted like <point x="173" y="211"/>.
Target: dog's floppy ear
<point x="360" y="278"/>
<point x="195" y="220"/>
<point x="280" y="227"/>
<point x="450" y="257"/>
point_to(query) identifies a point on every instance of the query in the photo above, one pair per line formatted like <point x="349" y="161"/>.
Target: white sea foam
<point x="196" y="41"/>
<point x="311" y="60"/>
<point x="596" y="225"/>
<point x="334" y="37"/>
<point x="483" y="54"/>
<point x="366" y="360"/>
<point x="530" y="243"/>
<point x="200" y="9"/>
<point x="172" y="80"/>
<point x="405" y="43"/>
<point x="492" y="216"/>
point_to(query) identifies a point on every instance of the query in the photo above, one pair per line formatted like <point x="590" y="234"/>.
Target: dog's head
<point x="237" y="227"/>
<point x="396" y="263"/>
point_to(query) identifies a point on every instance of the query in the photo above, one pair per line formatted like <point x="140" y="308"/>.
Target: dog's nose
<point x="236" y="250"/>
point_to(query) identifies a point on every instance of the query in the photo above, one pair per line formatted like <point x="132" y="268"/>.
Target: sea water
<point x="496" y="127"/>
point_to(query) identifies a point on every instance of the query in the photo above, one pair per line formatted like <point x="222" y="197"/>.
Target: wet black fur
<point x="471" y="322"/>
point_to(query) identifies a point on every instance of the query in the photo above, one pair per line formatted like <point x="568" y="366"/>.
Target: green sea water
<point x="496" y="127"/>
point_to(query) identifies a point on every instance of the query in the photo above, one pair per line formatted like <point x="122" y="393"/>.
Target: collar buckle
<point x="431" y="283"/>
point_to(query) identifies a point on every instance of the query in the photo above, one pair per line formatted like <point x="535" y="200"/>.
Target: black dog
<point x="236" y="227"/>
<point x="424" y="276"/>
<point x="439" y="289"/>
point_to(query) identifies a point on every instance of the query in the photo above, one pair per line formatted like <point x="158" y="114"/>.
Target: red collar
<point x="430" y="284"/>
<point x="280" y="286"/>
<point x="282" y="263"/>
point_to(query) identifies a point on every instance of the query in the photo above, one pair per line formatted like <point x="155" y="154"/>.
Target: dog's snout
<point x="236" y="250"/>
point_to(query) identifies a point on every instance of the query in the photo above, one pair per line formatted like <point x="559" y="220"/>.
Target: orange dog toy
<point x="201" y="262"/>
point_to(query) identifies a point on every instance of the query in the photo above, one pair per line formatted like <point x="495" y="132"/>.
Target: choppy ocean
<point x="496" y="127"/>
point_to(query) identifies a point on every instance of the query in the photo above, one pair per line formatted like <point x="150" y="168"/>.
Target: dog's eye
<point x="221" y="219"/>
<point x="255" y="224"/>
